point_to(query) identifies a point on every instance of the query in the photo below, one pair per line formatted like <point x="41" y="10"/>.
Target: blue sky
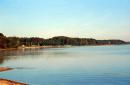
<point x="100" y="19"/>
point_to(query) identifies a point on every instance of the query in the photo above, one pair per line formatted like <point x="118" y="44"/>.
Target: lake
<point x="84" y="65"/>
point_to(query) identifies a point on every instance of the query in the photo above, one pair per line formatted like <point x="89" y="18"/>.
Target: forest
<point x="15" y="42"/>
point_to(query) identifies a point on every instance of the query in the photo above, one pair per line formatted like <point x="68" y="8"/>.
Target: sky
<point x="99" y="19"/>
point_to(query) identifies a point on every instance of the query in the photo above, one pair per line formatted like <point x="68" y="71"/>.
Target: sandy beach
<point x="10" y="82"/>
<point x="5" y="69"/>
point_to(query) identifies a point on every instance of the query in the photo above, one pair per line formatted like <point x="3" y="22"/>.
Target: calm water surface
<point x="88" y="65"/>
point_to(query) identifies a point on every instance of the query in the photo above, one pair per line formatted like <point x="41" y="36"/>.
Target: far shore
<point x="31" y="47"/>
<point x="51" y="46"/>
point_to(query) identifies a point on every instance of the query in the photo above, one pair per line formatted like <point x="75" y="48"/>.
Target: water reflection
<point x="15" y="54"/>
<point x="105" y="65"/>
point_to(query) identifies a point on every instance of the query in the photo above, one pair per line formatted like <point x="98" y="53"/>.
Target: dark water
<point x="92" y="65"/>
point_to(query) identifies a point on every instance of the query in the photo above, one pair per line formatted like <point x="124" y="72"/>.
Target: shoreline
<point x="30" y="47"/>
<point x="10" y="82"/>
<point x="50" y="46"/>
<point x="6" y="81"/>
<point x="2" y="69"/>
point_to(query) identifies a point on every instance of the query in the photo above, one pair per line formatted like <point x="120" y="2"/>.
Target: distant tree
<point x="13" y="42"/>
<point x="1" y="35"/>
<point x="3" y="42"/>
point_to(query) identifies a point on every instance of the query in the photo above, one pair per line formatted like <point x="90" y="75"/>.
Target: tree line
<point x="14" y="42"/>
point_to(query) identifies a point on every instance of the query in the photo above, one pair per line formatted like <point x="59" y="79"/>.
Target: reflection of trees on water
<point x="32" y="53"/>
<point x="1" y="59"/>
<point x="15" y="54"/>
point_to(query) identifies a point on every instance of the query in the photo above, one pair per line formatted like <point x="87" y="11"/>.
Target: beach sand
<point x="10" y="82"/>
<point x="5" y="69"/>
